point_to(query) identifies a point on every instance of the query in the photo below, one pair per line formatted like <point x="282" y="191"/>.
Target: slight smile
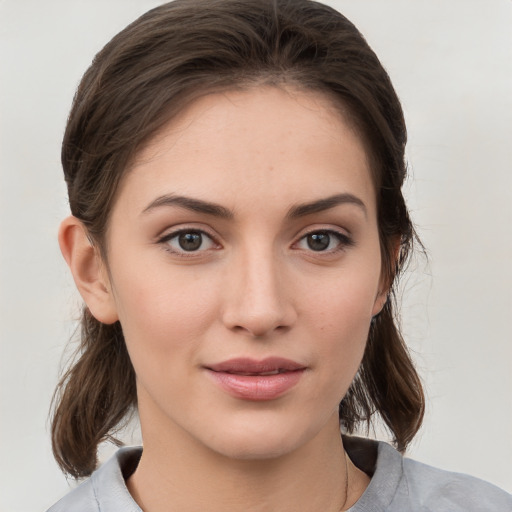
<point x="254" y="380"/>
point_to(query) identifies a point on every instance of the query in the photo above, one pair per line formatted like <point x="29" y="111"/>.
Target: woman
<point x="234" y="173"/>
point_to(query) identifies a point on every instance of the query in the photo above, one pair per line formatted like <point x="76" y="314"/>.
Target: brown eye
<point x="328" y="241"/>
<point x="190" y="241"/>
<point x="319" y="241"/>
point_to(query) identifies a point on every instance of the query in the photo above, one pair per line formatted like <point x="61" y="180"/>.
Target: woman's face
<point x="245" y="268"/>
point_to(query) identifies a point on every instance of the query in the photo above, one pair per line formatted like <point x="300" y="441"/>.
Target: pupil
<point x="318" y="241"/>
<point x="190" y="241"/>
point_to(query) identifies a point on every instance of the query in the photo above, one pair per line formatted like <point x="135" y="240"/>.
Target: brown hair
<point x="141" y="79"/>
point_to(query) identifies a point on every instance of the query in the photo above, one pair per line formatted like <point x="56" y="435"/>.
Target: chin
<point x="261" y="441"/>
<point x="251" y="449"/>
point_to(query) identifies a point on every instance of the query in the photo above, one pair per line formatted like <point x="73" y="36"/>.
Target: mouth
<point x="255" y="374"/>
<point x="253" y="380"/>
<point x="251" y="367"/>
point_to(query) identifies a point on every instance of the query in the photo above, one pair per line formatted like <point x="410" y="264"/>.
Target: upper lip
<point x="247" y="366"/>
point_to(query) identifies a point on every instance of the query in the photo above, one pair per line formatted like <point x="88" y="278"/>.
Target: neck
<point x="191" y="477"/>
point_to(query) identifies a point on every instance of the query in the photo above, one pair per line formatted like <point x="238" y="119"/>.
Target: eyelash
<point x="343" y="242"/>
<point x="166" y="239"/>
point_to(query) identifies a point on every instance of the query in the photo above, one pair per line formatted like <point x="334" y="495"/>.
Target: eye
<point x="324" y="241"/>
<point x="187" y="241"/>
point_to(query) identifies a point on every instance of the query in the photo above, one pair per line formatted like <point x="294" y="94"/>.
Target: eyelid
<point x="344" y="238"/>
<point x="171" y="233"/>
<point x="184" y="227"/>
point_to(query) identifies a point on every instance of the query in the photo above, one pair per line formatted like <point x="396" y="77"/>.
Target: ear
<point x="380" y="300"/>
<point x="89" y="272"/>
<point x="386" y="280"/>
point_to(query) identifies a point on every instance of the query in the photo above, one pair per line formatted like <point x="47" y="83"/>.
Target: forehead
<point x="238" y="146"/>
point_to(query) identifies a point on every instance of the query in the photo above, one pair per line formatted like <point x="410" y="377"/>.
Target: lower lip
<point x="257" y="387"/>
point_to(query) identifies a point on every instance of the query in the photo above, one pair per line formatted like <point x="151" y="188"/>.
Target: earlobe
<point x="379" y="303"/>
<point x="387" y="278"/>
<point x="88" y="270"/>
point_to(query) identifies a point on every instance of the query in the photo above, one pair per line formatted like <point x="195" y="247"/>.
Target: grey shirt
<point x="397" y="484"/>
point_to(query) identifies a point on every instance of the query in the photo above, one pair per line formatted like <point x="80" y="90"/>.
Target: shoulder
<point x="436" y="489"/>
<point x="80" y="499"/>
<point x="399" y="483"/>
<point x="105" y="490"/>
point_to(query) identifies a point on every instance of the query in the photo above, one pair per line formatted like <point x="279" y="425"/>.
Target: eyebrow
<point x="327" y="203"/>
<point x="216" y="210"/>
<point x="189" y="203"/>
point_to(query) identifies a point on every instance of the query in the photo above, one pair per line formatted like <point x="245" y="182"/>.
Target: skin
<point x="254" y="288"/>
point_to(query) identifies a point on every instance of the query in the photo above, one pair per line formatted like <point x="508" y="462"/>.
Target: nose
<point x="259" y="297"/>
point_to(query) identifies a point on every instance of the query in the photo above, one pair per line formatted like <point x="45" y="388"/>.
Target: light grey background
<point x="451" y="63"/>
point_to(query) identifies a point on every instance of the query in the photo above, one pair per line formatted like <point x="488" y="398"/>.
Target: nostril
<point x="258" y="307"/>
<point x="259" y="331"/>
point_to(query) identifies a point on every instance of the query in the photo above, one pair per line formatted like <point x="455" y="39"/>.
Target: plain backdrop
<point x="451" y="63"/>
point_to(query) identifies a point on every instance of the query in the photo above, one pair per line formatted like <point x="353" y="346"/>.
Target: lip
<point x="256" y="380"/>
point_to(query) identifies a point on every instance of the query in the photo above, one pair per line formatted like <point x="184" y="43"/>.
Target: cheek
<point x="344" y="303"/>
<point x="164" y="320"/>
<point x="342" y="331"/>
<point x="340" y="318"/>
<point x="167" y="311"/>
